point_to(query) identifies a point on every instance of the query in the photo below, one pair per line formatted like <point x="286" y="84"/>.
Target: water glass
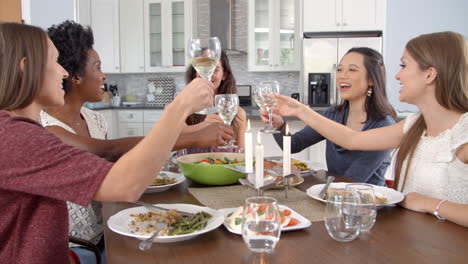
<point x="368" y="210"/>
<point x="342" y="219"/>
<point x="261" y="224"/>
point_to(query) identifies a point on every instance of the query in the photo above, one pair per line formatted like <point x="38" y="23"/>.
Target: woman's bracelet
<point x="436" y="212"/>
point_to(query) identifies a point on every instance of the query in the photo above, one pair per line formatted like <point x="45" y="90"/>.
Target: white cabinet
<point x="150" y="117"/>
<point x="136" y="123"/>
<point x="131" y="36"/>
<point x="167" y="28"/>
<point x="105" y="24"/>
<point x="343" y="15"/>
<point x="130" y="123"/>
<point x="274" y="35"/>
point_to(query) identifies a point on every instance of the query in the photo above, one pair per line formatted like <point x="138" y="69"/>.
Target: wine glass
<point x="267" y="103"/>
<point x="261" y="224"/>
<point x="227" y="105"/>
<point x="342" y="218"/>
<point x="368" y="211"/>
<point x="204" y="54"/>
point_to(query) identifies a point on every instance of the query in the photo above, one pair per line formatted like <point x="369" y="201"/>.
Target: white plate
<point x="303" y="222"/>
<point x="119" y="222"/>
<point x="392" y="195"/>
<point x="313" y="165"/>
<point x="160" y="188"/>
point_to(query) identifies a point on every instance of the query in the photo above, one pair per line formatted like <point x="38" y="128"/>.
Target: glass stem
<point x="270" y="118"/>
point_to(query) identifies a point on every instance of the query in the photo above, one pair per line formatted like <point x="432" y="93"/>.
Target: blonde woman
<point x="431" y="162"/>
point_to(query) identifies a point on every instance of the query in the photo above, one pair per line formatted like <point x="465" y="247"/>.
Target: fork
<point x="146" y="244"/>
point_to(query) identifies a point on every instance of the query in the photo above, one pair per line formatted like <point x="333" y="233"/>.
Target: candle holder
<point x="270" y="184"/>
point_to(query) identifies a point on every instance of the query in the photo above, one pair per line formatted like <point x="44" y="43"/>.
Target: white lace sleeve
<point x="47" y="120"/>
<point x="97" y="124"/>
<point x="460" y="136"/>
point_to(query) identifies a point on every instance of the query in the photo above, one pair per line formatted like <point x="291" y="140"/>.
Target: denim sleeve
<point x="370" y="167"/>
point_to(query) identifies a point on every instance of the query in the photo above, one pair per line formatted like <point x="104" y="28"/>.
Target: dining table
<point x="398" y="236"/>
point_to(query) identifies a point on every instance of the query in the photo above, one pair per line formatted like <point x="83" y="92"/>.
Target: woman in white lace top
<point x="431" y="161"/>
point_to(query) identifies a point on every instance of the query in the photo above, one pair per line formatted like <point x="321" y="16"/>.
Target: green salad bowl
<point x="210" y="174"/>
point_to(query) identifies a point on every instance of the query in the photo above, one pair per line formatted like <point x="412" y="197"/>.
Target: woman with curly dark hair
<point x="224" y="83"/>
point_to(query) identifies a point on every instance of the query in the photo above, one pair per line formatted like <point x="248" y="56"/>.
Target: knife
<point x="157" y="208"/>
<point x="323" y="192"/>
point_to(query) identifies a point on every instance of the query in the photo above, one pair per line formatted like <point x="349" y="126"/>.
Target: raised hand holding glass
<point x="263" y="99"/>
<point x="204" y="54"/>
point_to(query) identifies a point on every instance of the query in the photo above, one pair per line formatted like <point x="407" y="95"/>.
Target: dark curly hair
<point x="73" y="42"/>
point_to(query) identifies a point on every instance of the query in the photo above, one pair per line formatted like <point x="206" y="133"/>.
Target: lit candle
<point x="248" y="149"/>
<point x="258" y="162"/>
<point x="286" y="152"/>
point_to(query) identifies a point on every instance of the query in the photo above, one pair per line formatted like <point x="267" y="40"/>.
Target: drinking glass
<point x="204" y="54"/>
<point x="266" y="103"/>
<point x="261" y="224"/>
<point x="368" y="210"/>
<point x="342" y="219"/>
<point x="227" y="105"/>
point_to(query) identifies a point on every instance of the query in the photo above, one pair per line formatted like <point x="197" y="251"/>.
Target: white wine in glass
<point x="262" y="97"/>
<point x="204" y="54"/>
<point x="228" y="105"/>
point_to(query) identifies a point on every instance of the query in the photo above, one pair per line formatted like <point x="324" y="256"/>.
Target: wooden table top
<point x="398" y="236"/>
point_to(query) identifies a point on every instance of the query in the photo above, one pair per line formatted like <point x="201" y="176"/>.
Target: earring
<point x="369" y="91"/>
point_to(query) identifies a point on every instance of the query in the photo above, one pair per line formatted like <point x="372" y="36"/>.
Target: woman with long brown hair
<point x="360" y="79"/>
<point x="431" y="162"/>
<point x="39" y="173"/>
<point x="224" y="83"/>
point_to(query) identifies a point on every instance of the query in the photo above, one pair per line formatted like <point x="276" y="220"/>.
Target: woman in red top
<point x="38" y="172"/>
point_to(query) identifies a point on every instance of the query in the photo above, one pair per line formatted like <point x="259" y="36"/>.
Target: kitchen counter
<point x="251" y="111"/>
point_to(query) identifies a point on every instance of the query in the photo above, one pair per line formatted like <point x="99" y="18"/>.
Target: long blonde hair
<point x="18" y="87"/>
<point x="447" y="52"/>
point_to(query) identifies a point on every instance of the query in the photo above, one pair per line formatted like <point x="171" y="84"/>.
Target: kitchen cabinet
<point x="136" y="123"/>
<point x="343" y="15"/>
<point x="131" y="36"/>
<point x="130" y="123"/>
<point x="167" y="28"/>
<point x="104" y="20"/>
<point x="274" y="35"/>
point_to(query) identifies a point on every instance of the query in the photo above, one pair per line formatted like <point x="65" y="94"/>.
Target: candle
<point x="248" y="149"/>
<point x="258" y="162"/>
<point x="286" y="152"/>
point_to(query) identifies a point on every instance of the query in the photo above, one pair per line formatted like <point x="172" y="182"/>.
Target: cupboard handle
<point x="345" y="23"/>
<point x="338" y="23"/>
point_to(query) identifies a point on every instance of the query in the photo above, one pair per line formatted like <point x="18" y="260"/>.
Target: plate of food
<point x="290" y="219"/>
<point x="296" y="165"/>
<point x="164" y="181"/>
<point x="140" y="223"/>
<point x="383" y="195"/>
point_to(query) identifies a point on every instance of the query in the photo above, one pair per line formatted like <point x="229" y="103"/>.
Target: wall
<point x="409" y="19"/>
<point x="136" y="83"/>
<point x="45" y="13"/>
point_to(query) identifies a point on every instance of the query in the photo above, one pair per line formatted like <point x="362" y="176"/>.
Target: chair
<point x="88" y="245"/>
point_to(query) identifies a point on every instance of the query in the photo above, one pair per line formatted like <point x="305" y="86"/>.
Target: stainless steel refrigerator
<point x="322" y="52"/>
